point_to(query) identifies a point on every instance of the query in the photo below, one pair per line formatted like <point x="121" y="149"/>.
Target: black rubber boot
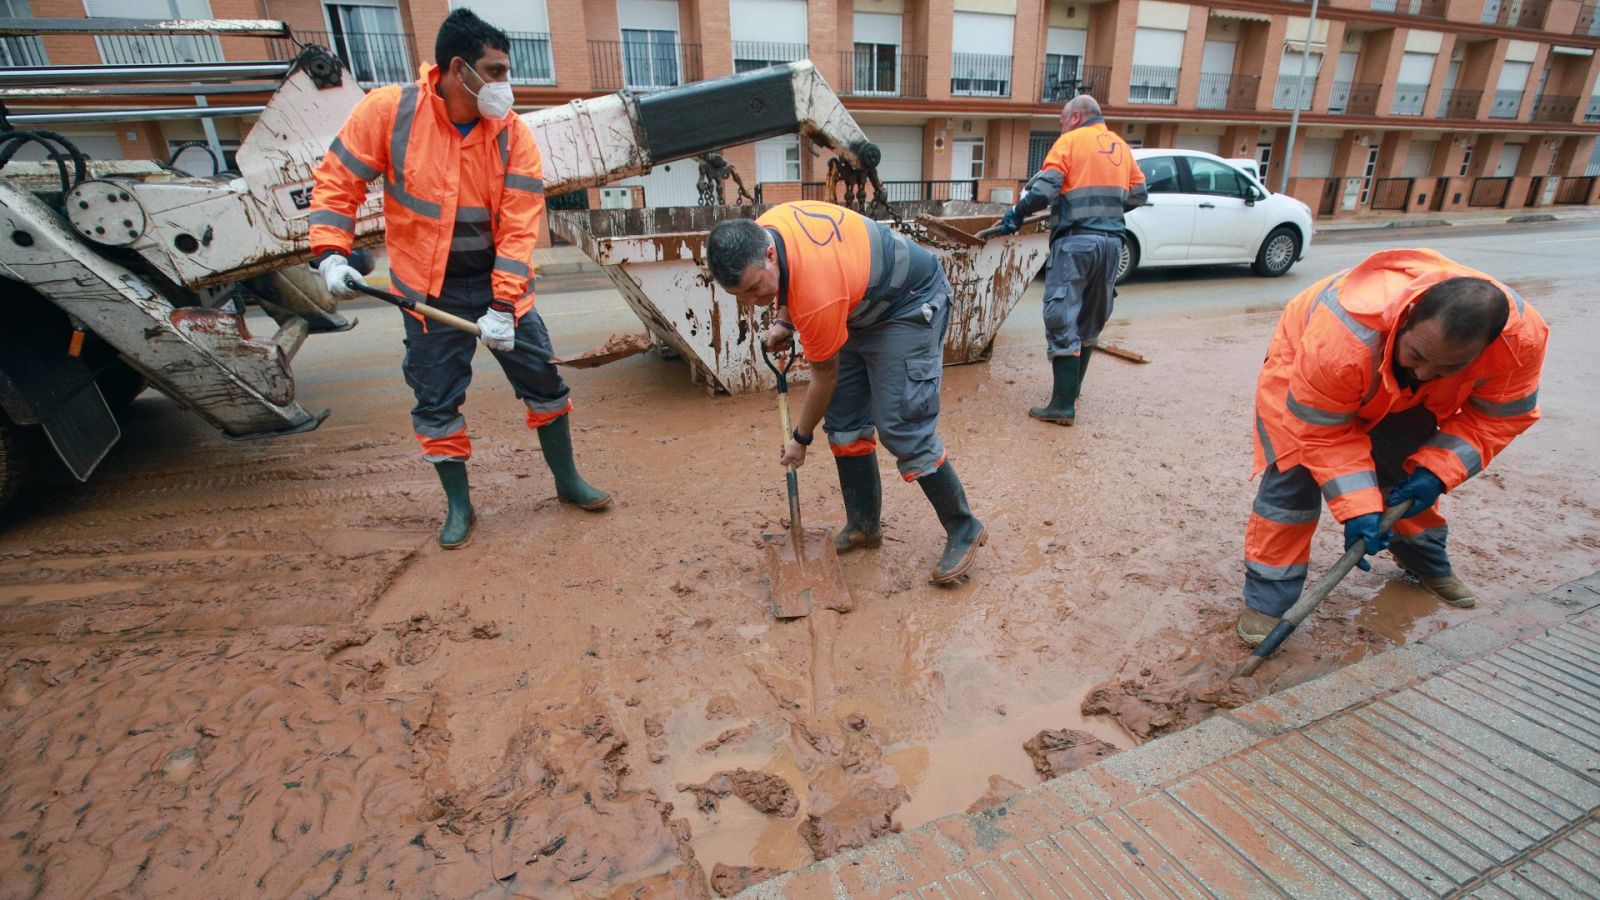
<point x="862" y="490"/>
<point x="1064" y="394"/>
<point x="1083" y="368"/>
<point x="459" y="518"/>
<point x="555" y="441"/>
<point x="965" y="534"/>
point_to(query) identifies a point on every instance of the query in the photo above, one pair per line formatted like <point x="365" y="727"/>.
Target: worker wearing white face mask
<point x="464" y="206"/>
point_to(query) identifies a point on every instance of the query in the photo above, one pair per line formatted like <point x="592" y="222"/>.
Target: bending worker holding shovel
<point x="463" y="202"/>
<point x="1387" y="384"/>
<point x="871" y="310"/>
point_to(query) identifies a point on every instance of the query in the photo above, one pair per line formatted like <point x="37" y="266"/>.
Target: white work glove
<point x="336" y="271"/>
<point x="498" y="330"/>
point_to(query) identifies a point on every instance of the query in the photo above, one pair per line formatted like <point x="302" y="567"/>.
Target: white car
<point x="1203" y="211"/>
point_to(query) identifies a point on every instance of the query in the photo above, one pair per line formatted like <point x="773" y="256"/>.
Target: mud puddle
<point x="248" y="667"/>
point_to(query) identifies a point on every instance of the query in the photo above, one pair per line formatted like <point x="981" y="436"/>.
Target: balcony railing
<point x="751" y="55"/>
<point x="1515" y="13"/>
<point x="1392" y="193"/>
<point x="1218" y="91"/>
<point x="1588" y="23"/>
<point x="883" y="74"/>
<point x="1459" y="103"/>
<point x="643" y="65"/>
<point x="1489" y="192"/>
<point x="1552" y="108"/>
<point x="1288" y="83"/>
<point x="1505" y="104"/>
<point x="157" y="49"/>
<point x="903" y="191"/>
<point x="374" y="57"/>
<point x="980" y="75"/>
<point x="530" y="58"/>
<point x="1065" y="79"/>
<point x="22" y="51"/>
<point x="1353" y="98"/>
<point x="1592" y="112"/>
<point x="1408" y="99"/>
<point x="1575" y="189"/>
<point x="1154" y="84"/>
<point x="1431" y="9"/>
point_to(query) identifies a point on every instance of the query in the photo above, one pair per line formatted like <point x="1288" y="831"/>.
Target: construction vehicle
<point x="118" y="274"/>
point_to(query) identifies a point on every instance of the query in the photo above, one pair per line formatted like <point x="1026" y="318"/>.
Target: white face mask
<point x="494" y="97"/>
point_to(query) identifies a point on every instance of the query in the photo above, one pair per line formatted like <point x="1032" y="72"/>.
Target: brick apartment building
<point x="1406" y="104"/>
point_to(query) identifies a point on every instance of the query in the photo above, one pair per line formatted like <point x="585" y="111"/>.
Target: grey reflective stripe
<point x="407" y="290"/>
<point x="1275" y="573"/>
<point x="1047" y="184"/>
<point x="1518" y="407"/>
<point x="440" y="431"/>
<point x="525" y="183"/>
<point x="471" y="242"/>
<point x="358" y="168"/>
<point x="1435" y="535"/>
<point x="1266" y="442"/>
<point x="471" y="214"/>
<point x="547" y="406"/>
<point x="1349" y="484"/>
<point x="507" y="264"/>
<point x="1471" y="460"/>
<point x="1284" y="516"/>
<point x="1314" y="416"/>
<point x="1094" y="201"/>
<point x="329" y="217"/>
<point x="405" y="115"/>
<point x="1371" y="337"/>
<point x="503" y="140"/>
<point x="846" y="438"/>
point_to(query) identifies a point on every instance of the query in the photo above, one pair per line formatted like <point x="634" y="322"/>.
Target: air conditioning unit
<point x="616" y="198"/>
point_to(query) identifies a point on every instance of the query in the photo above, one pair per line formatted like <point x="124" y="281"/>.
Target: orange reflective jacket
<point x="431" y="177"/>
<point x="1329" y="378"/>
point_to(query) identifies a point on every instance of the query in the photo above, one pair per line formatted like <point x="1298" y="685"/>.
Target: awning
<point x="1241" y="16"/>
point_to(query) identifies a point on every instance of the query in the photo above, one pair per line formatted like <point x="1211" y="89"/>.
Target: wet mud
<point x="1062" y="750"/>
<point x="248" y="668"/>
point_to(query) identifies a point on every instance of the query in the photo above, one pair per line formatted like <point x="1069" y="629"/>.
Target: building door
<point x="778" y="159"/>
<point x="966" y="165"/>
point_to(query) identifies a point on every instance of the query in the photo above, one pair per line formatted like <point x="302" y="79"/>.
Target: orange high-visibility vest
<point x="431" y="177"/>
<point x="1095" y="172"/>
<point x="828" y="253"/>
<point x="1329" y="378"/>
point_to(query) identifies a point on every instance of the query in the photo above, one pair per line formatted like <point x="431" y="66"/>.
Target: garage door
<point x="1316" y="158"/>
<point x="1207" y="143"/>
<point x="902" y="151"/>
<point x="1419" y="159"/>
<point x="672" y="184"/>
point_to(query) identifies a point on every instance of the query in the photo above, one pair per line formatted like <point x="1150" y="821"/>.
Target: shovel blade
<point x="618" y="346"/>
<point x="806" y="574"/>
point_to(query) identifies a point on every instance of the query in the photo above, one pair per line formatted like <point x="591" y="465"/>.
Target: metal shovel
<point x="804" y="563"/>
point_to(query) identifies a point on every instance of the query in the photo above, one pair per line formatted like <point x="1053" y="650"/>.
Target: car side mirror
<point x="1251" y="195"/>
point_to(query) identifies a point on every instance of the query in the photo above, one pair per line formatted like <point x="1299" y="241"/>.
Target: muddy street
<point x="230" y="667"/>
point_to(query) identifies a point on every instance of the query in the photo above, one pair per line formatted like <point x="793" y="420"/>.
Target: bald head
<point x="1080" y="109"/>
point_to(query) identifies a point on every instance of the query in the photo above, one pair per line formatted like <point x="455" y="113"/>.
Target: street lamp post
<point x="1299" y="93"/>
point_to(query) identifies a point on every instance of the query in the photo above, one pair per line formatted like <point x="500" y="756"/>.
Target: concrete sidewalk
<point x="1463" y="218"/>
<point x="1466" y="763"/>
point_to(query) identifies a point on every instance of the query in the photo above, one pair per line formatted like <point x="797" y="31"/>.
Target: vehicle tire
<point x="21" y="450"/>
<point x="1278" y="252"/>
<point x="1128" y="259"/>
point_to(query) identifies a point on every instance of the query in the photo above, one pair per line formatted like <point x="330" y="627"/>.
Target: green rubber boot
<point x="1063" y="396"/>
<point x="862" y="489"/>
<point x="555" y="441"/>
<point x="1083" y="368"/>
<point x="459" y="519"/>
<point x="964" y="533"/>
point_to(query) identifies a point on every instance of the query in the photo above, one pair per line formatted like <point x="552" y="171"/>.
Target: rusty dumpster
<point x="655" y="257"/>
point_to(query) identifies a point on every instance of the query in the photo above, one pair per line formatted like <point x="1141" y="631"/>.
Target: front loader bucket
<point x="655" y="258"/>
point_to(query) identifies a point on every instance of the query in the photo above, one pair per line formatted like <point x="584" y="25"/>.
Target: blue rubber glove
<point x="1421" y="487"/>
<point x="1011" y="222"/>
<point x="1365" y="529"/>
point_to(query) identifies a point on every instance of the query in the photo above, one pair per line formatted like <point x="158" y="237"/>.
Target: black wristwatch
<point x="803" y="440"/>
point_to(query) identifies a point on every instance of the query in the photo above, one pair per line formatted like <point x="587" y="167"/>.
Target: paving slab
<point x="1466" y="764"/>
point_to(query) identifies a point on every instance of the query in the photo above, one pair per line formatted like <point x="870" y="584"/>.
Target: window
<point x="20" y="51"/>
<point x="370" y="41"/>
<point x="875" y="70"/>
<point x="1212" y="177"/>
<point x="1160" y="174"/>
<point x="976" y="70"/>
<point x="1466" y="160"/>
<point x="1368" y="172"/>
<point x="650" y="58"/>
<point x="1039" y="144"/>
<point x="126" y="49"/>
<point x="1263" y="159"/>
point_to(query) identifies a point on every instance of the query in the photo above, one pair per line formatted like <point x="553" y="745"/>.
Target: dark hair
<point x="733" y="247"/>
<point x="1471" y="310"/>
<point x="465" y="35"/>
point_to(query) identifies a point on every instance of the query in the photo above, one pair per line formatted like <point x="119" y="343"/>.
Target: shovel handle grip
<point x="435" y="314"/>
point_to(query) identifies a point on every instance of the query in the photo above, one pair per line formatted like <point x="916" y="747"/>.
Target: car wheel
<point x="21" y="451"/>
<point x="1277" y="252"/>
<point x="1127" y="258"/>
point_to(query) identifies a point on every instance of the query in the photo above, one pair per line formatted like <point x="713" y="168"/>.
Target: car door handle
<point x="1208" y="206"/>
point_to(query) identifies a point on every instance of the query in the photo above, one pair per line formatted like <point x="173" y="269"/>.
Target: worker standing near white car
<point x="463" y="201"/>
<point x="1089" y="179"/>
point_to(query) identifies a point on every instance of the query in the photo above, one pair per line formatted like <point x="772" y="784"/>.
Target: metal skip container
<point x="656" y="260"/>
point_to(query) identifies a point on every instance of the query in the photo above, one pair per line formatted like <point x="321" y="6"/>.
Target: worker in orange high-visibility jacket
<point x="871" y="310"/>
<point x="1088" y="180"/>
<point x="463" y="202"/>
<point x="1389" y="383"/>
